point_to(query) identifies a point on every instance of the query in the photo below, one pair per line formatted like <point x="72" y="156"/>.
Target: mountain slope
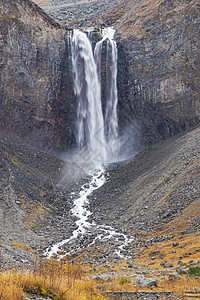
<point x="78" y="13"/>
<point x="152" y="198"/>
<point x="35" y="198"/>
<point x="158" y="191"/>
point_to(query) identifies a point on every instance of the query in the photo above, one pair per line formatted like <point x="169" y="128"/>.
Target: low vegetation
<point x="180" y="286"/>
<point x="194" y="270"/>
<point x="64" y="279"/>
<point x="59" y="280"/>
<point x="181" y="250"/>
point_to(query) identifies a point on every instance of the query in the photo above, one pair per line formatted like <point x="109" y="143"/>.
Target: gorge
<point x="98" y="142"/>
<point x="99" y="139"/>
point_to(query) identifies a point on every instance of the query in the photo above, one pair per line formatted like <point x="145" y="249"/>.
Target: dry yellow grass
<point x="9" y="289"/>
<point x="57" y="280"/>
<point x="21" y="246"/>
<point x="188" y="248"/>
<point x="180" y="287"/>
<point x="188" y="215"/>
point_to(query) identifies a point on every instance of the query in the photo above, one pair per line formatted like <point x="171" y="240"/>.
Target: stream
<point x="87" y="231"/>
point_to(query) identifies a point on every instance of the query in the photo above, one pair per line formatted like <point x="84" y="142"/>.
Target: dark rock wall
<point x="161" y="43"/>
<point x="36" y="98"/>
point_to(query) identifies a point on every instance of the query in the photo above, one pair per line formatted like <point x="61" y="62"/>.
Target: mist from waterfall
<point x="97" y="133"/>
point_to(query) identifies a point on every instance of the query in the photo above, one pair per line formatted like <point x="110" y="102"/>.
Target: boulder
<point x="145" y="282"/>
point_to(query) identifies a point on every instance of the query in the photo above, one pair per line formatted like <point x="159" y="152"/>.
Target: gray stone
<point x="181" y="271"/>
<point x="138" y="278"/>
<point x="170" y="265"/>
<point x="148" y="282"/>
<point x="174" y="276"/>
<point x="143" y="281"/>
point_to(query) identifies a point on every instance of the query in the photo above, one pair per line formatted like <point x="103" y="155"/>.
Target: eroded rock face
<point x="161" y="39"/>
<point x="36" y="98"/>
<point x="161" y="42"/>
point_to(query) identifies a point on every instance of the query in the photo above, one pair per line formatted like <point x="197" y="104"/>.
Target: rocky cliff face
<point x="158" y="70"/>
<point x="161" y="43"/>
<point x="35" y="85"/>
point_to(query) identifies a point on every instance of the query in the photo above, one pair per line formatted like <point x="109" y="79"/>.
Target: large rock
<point x="145" y="282"/>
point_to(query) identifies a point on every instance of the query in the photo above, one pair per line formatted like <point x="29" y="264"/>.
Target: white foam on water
<point x="80" y="211"/>
<point x="111" y="117"/>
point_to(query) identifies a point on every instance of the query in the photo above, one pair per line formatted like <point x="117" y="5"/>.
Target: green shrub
<point x="124" y="280"/>
<point x="194" y="270"/>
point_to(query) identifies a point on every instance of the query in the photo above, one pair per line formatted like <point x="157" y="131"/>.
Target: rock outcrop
<point x="161" y="43"/>
<point x="36" y="97"/>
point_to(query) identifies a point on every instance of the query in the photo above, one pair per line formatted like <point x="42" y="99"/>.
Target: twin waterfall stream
<point x="97" y="135"/>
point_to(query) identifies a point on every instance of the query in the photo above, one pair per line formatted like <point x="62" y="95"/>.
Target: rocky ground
<point x="36" y="199"/>
<point x="150" y="199"/>
<point x="79" y="13"/>
<point x="154" y="198"/>
<point x="145" y="219"/>
<point x="153" y="190"/>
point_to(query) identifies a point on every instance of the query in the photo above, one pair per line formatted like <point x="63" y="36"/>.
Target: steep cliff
<point x="161" y="42"/>
<point x="36" y="98"/>
<point x="158" y="70"/>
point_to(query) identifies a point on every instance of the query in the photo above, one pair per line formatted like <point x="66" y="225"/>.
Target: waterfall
<point x="97" y="137"/>
<point x="96" y="134"/>
<point x="111" y="119"/>
<point x="90" y="121"/>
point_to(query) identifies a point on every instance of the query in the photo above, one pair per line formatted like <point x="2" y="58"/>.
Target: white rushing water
<point x="80" y="211"/>
<point x="97" y="135"/>
<point x="111" y="118"/>
<point x="84" y="228"/>
<point x="90" y="122"/>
